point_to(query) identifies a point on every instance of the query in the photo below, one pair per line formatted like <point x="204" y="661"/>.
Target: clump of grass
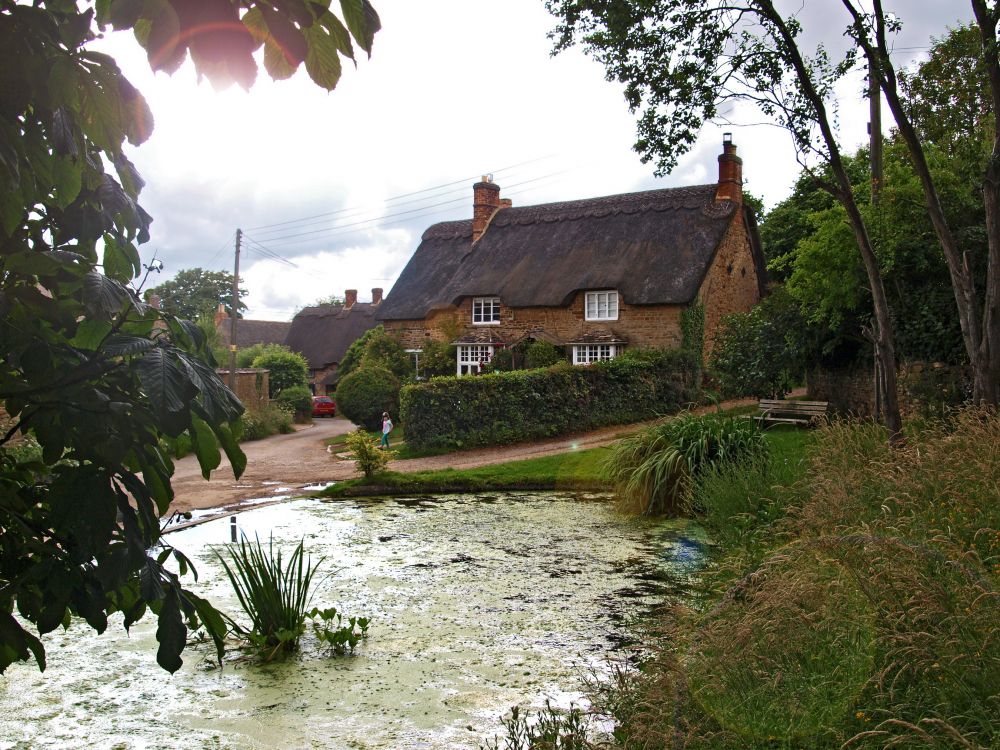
<point x="274" y="596"/>
<point x="867" y="615"/>
<point x="653" y="470"/>
<point x="551" y="729"/>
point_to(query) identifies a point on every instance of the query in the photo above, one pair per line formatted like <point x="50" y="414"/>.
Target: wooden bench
<point x="779" y="411"/>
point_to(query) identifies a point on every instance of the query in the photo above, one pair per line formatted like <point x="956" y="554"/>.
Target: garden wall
<point x="511" y="406"/>
<point x="921" y="385"/>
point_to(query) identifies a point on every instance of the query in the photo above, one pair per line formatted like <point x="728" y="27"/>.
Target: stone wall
<point x="921" y="386"/>
<point x="731" y="284"/>
<point x="251" y="387"/>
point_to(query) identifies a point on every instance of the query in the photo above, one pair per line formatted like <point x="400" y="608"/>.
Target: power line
<point x="398" y="197"/>
<point x="267" y="252"/>
<point x="391" y="218"/>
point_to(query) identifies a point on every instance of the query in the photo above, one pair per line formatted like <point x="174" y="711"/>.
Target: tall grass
<point x="653" y="470"/>
<point x="869" y="616"/>
<point x="274" y="596"/>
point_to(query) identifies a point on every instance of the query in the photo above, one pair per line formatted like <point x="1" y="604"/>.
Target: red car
<point x="323" y="406"/>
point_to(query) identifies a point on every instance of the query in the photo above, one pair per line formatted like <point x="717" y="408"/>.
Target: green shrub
<point x="449" y="413"/>
<point x="376" y="348"/>
<point x="296" y="399"/>
<point x="363" y="395"/>
<point x="273" y="596"/>
<point x="761" y="353"/>
<point x="368" y="457"/>
<point x="286" y="370"/>
<point x="437" y="358"/>
<point x="652" y="471"/>
<point x="246" y="355"/>
<point x="503" y="361"/>
<point x="542" y="354"/>
<point x="262" y="423"/>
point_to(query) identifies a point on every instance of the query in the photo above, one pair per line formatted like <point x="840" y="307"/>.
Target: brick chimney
<point x="485" y="202"/>
<point x="350" y="297"/>
<point x="730" y="172"/>
<point x="506" y="203"/>
<point x="376" y="295"/>
<point x="220" y="314"/>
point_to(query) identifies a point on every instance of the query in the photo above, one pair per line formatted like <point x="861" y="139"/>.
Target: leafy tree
<point x="683" y="60"/>
<point x="246" y="355"/>
<point x="918" y="122"/>
<point x="287" y="369"/>
<point x="762" y="353"/>
<point x="376" y="348"/>
<point x="195" y="292"/>
<point x="542" y="354"/>
<point x="438" y="358"/>
<point x="364" y="394"/>
<point x="96" y="375"/>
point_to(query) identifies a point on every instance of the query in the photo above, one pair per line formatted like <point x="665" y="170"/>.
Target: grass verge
<point x="578" y="470"/>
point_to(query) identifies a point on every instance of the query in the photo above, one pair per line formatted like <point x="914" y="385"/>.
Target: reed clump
<point x="866" y="616"/>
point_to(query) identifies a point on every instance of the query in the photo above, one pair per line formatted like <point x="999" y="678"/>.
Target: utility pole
<point x="234" y="313"/>
<point x="875" y="132"/>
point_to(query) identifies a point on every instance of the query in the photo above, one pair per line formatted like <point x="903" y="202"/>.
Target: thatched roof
<point x="250" y="332"/>
<point x="322" y="334"/>
<point x="654" y="247"/>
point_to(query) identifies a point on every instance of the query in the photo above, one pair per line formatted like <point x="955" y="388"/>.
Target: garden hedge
<point x="364" y="394"/>
<point x="507" y="407"/>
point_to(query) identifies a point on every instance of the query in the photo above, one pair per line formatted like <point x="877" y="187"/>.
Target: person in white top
<point x="386" y="429"/>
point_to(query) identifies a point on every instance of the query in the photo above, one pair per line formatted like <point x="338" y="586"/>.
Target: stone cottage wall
<point x="731" y="284"/>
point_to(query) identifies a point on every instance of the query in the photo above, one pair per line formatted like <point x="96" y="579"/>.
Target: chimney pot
<point x="376" y="295"/>
<point x="350" y="297"/>
<point x="485" y="202"/>
<point x="730" y="186"/>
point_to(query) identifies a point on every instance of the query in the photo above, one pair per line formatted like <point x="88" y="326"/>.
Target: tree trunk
<point x="885" y="351"/>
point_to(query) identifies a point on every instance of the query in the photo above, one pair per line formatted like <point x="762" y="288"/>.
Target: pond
<point x="478" y="604"/>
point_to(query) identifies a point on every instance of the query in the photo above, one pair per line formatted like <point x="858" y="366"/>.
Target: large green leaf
<point x="170" y="632"/>
<point x="205" y="446"/>
<point x="166" y="385"/>
<point x="322" y="60"/>
<point x="363" y="22"/>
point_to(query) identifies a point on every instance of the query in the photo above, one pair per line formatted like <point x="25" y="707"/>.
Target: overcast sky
<point x="342" y="185"/>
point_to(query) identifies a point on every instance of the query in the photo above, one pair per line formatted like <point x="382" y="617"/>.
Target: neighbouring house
<point x="323" y="333"/>
<point x="249" y="332"/>
<point x="593" y="276"/>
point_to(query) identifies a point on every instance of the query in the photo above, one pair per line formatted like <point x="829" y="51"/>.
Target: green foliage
<point x="551" y="729"/>
<point x="523" y="405"/>
<point x="368" y="457"/>
<point x="296" y="399"/>
<point x="274" y="596"/>
<point x="339" y="636"/>
<point x="858" y="605"/>
<point x="762" y="353"/>
<point x="376" y="348"/>
<point x="437" y="358"/>
<point x="363" y="395"/>
<point x="286" y="369"/>
<point x="382" y="350"/>
<point x="264" y="422"/>
<point x="542" y="354"/>
<point x="95" y="374"/>
<point x="653" y="470"/>
<point x="693" y="330"/>
<point x="502" y="361"/>
<point x="193" y="293"/>
<point x="246" y="355"/>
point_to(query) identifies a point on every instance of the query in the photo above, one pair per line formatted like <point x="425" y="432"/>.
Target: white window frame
<point x="469" y="357"/>
<point x="587" y="354"/>
<point x="485" y="311"/>
<point x="601" y="305"/>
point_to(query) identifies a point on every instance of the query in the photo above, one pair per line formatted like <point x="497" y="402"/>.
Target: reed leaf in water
<point x="274" y="596"/>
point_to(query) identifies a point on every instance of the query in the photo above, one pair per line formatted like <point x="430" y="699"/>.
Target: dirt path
<point x="286" y="465"/>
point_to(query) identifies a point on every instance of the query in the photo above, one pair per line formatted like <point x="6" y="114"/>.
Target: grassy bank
<point x="578" y="470"/>
<point x="854" y="603"/>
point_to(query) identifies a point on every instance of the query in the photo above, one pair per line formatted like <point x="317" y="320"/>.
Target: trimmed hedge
<point x="507" y="407"/>
<point x="364" y="394"/>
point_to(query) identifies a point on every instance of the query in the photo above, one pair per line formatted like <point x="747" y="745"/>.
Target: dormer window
<point x="601" y="305"/>
<point x="485" y="311"/>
